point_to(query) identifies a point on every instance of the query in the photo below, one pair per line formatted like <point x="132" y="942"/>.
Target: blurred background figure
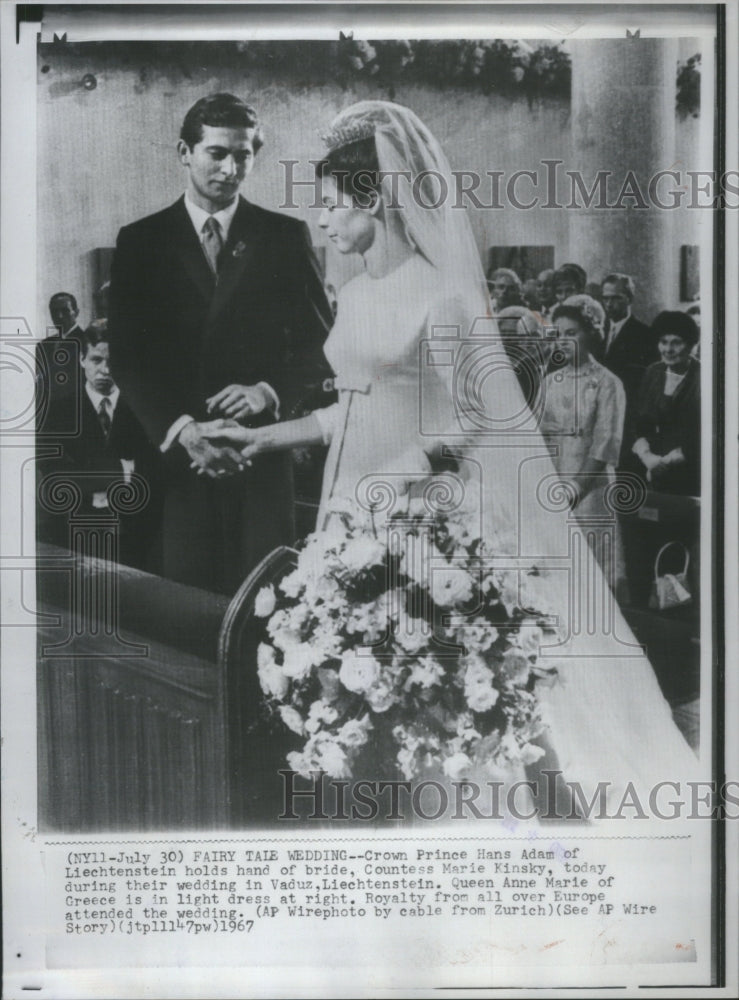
<point x="531" y="297"/>
<point x="101" y="300"/>
<point x="332" y="299"/>
<point x="505" y="289"/>
<point x="57" y="357"/>
<point x="545" y="288"/>
<point x="568" y="280"/>
<point x="694" y="312"/>
<point x="523" y="336"/>
<point x="64" y="313"/>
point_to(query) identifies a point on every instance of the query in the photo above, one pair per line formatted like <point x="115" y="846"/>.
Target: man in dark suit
<point x="57" y="357"/>
<point x="629" y="347"/>
<point x="64" y="313"/>
<point x="98" y="443"/>
<point x="217" y="308"/>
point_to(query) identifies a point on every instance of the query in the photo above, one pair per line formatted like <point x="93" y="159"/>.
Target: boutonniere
<point x="239" y="250"/>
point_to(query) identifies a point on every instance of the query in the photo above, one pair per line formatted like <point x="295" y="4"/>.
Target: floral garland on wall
<point x="503" y="66"/>
<point x="510" y="67"/>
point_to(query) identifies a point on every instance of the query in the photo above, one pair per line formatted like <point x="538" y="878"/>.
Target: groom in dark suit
<point x="217" y="308"/>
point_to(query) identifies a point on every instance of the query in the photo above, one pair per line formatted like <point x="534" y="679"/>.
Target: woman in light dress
<point x="583" y="410"/>
<point x="419" y="365"/>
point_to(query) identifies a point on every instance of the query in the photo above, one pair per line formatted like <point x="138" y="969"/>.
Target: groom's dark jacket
<point x="179" y="336"/>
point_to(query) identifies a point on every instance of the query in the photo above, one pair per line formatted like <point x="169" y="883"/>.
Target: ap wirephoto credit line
<point x="363" y="460"/>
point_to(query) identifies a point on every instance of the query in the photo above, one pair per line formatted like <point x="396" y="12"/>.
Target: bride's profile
<point x="388" y="195"/>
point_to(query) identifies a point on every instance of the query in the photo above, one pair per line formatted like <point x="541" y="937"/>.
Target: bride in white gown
<point x="419" y="365"/>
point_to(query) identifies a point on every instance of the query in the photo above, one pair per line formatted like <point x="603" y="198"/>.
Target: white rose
<point x="530" y="637"/>
<point x="327" y="642"/>
<point x="271" y="678"/>
<point x="318" y="713"/>
<point x="516" y="666"/>
<point x="406" y="760"/>
<point x="530" y="753"/>
<point x="426" y="672"/>
<point x="328" y="756"/>
<point x="299" y="763"/>
<point x="451" y="585"/>
<point x="299" y="659"/>
<point x="478" y="685"/>
<point x="265" y="601"/>
<point x="362" y="553"/>
<point x="358" y="672"/>
<point x="456" y="766"/>
<point x="478" y="635"/>
<point x="292" y="584"/>
<point x="381" y="696"/>
<point x="292" y="719"/>
<point x="355" y="732"/>
<point x="412" y="634"/>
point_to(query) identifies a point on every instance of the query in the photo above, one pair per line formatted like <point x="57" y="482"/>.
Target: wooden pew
<point x="131" y="700"/>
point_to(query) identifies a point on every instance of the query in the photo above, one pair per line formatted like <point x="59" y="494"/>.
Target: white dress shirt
<point x="96" y="398"/>
<point x="100" y="499"/>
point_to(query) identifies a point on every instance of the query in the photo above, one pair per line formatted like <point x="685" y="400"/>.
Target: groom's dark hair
<point x="220" y="111"/>
<point x="355" y="169"/>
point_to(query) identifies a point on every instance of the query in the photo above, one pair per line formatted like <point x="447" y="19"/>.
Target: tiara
<point x="343" y="135"/>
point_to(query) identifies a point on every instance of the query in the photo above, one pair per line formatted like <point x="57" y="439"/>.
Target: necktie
<point x="212" y="242"/>
<point x="104" y="416"/>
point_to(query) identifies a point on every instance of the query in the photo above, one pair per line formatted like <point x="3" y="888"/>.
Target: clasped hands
<point x="213" y="446"/>
<point x="658" y="464"/>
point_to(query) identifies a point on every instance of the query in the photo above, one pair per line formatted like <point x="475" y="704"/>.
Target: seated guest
<point x="629" y="346"/>
<point x="505" y="289"/>
<point x="582" y="422"/>
<point x="667" y="412"/>
<point x="99" y="443"/>
<point x="568" y="280"/>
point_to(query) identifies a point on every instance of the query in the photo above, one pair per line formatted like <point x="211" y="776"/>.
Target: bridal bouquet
<point x="404" y="649"/>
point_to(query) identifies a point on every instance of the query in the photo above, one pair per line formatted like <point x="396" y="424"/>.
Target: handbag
<point x="670" y="590"/>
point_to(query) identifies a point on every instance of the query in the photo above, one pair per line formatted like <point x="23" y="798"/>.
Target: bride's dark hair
<point x="355" y="169"/>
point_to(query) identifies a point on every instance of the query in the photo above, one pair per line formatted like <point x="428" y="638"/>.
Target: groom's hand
<point x="216" y="462"/>
<point x="239" y="401"/>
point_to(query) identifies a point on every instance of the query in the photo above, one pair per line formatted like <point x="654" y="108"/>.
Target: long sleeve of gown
<point x="327" y="418"/>
<point x="609" y="422"/>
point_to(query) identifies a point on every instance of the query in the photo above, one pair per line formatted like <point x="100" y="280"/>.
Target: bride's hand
<point x="247" y="439"/>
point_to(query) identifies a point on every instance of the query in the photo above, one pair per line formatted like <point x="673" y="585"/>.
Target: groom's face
<point x="217" y="165"/>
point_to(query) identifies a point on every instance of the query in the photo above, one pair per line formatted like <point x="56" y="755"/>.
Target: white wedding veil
<point x="608" y="718"/>
<point x="417" y="182"/>
<point x="495" y="425"/>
